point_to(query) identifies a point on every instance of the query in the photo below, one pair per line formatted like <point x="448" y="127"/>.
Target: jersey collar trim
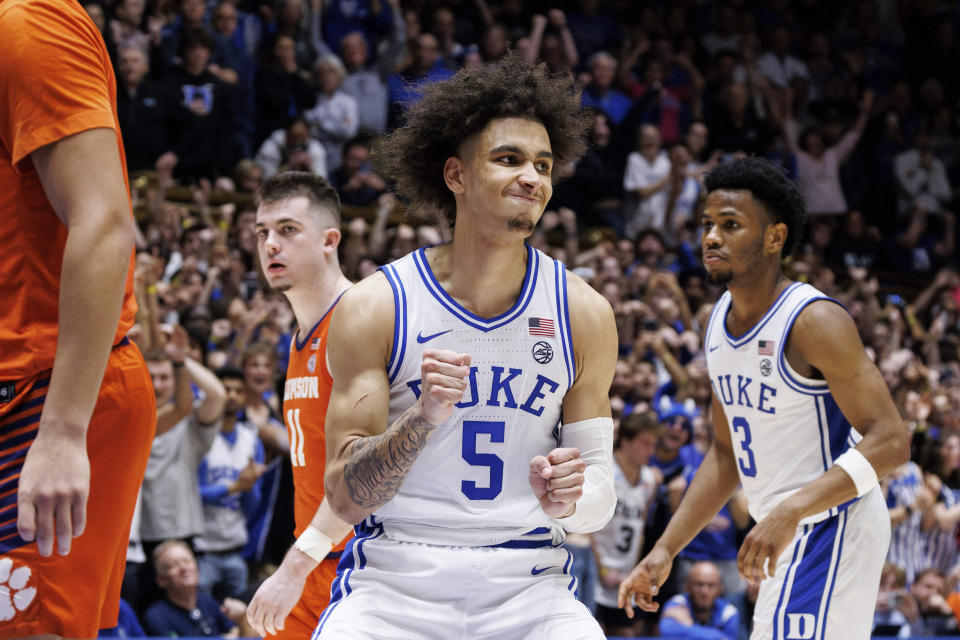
<point x="751" y="333"/>
<point x="296" y="339"/>
<point x="467" y="317"/>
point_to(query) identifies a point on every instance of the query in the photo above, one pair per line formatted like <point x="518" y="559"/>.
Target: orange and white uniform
<point x="305" y="397"/>
<point x="56" y="80"/>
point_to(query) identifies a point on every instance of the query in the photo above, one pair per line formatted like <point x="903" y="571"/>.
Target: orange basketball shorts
<point x="75" y="595"/>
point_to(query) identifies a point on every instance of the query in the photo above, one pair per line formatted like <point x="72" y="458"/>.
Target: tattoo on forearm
<point x="378" y="465"/>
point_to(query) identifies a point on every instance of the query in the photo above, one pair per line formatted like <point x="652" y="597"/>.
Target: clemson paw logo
<point x="15" y="595"/>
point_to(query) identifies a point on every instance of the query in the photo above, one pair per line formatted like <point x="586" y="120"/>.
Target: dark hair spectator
<point x="283" y="89"/>
<point x="145" y="110"/>
<point x="292" y="149"/>
<point x="407" y="87"/>
<point x="355" y="180"/>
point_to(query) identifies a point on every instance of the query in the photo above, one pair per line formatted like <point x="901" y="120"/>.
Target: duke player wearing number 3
<point x="298" y="232"/>
<point x="802" y="419"/>
<point x="469" y="424"/>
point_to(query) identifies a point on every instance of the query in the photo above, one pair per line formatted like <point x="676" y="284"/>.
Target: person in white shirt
<point x="777" y="65"/>
<point x="921" y="177"/>
<point x="292" y="148"/>
<point x="335" y="118"/>
<point x="646" y="183"/>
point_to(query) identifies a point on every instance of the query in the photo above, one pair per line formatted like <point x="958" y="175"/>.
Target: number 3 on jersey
<point x="626" y="539"/>
<point x="472" y="429"/>
<point x="745" y="457"/>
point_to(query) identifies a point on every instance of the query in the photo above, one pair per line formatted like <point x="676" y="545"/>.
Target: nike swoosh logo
<point x="712" y="349"/>
<point x="422" y="338"/>
<point x="537" y="571"/>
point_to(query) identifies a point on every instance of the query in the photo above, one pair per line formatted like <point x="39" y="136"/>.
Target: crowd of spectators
<point x="858" y="101"/>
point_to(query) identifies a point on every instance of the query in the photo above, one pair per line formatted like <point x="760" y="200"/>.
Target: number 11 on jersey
<point x="296" y="437"/>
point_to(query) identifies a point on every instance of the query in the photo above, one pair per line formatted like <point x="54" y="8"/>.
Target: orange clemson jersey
<point x="305" y="397"/>
<point x="56" y="80"/>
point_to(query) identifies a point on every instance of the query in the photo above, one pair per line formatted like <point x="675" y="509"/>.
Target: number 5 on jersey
<point x="471" y="430"/>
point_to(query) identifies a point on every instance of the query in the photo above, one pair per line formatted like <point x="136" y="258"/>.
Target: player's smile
<point x="507" y="168"/>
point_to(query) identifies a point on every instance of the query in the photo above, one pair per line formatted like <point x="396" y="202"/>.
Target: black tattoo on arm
<point x="378" y="465"/>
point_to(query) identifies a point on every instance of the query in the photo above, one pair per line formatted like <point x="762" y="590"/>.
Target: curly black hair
<point x="767" y="183"/>
<point x="453" y="110"/>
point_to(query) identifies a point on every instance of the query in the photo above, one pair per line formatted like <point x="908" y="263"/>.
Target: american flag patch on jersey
<point x="315" y="344"/>
<point x="541" y="327"/>
<point x="765" y="347"/>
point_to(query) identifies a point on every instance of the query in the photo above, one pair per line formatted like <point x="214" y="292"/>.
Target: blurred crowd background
<point x="857" y="101"/>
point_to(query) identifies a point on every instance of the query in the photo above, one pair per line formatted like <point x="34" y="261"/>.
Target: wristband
<point x="314" y="543"/>
<point x="594" y="439"/>
<point x="859" y="469"/>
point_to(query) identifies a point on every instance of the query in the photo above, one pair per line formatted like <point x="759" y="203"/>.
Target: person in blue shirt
<point x="600" y="93"/>
<point x="699" y="613"/>
<point x="405" y="88"/>
<point x="128" y="625"/>
<point x="673" y="454"/>
<point x="229" y="480"/>
<point x="717" y="542"/>
<point x="183" y="611"/>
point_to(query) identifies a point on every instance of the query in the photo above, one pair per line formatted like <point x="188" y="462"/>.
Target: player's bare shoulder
<point x="364" y="316"/>
<point x="371" y="290"/>
<point x="823" y="334"/>
<point x="590" y="313"/>
<point x="823" y="322"/>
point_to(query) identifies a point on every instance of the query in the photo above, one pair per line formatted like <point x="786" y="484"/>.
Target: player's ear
<point x="776" y="237"/>
<point x="331" y="239"/>
<point x="453" y="174"/>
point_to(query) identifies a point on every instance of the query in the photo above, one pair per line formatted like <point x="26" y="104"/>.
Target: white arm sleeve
<point x="594" y="439"/>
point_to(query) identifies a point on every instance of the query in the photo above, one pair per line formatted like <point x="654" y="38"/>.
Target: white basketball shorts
<point x="826" y="582"/>
<point x="391" y="590"/>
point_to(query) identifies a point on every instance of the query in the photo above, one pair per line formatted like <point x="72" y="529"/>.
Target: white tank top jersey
<point x="618" y="543"/>
<point x="786" y="429"/>
<point x="225" y="522"/>
<point x="469" y="486"/>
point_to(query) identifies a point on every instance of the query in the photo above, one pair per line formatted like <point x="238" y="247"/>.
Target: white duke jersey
<point x="786" y="429"/>
<point x="618" y="543"/>
<point x="469" y="486"/>
<point x="225" y="523"/>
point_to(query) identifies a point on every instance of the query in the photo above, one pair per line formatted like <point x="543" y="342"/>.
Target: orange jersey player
<point x="305" y="397"/>
<point x="75" y="394"/>
<point x="298" y="232"/>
